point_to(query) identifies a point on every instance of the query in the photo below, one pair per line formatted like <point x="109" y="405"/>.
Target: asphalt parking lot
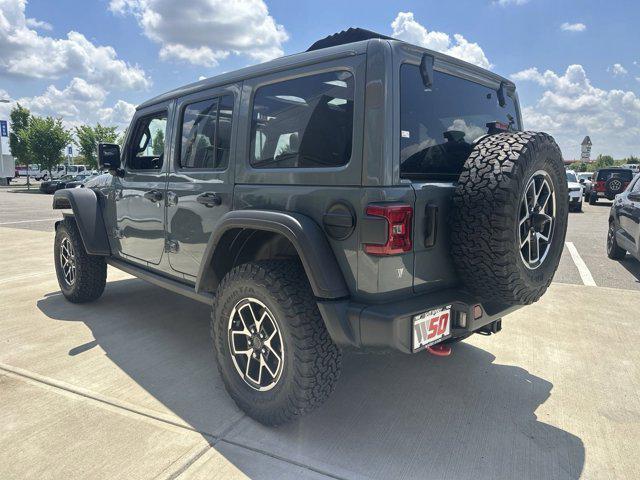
<point x="127" y="387"/>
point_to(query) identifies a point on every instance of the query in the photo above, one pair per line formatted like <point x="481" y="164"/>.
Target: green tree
<point x="87" y="139"/>
<point x="86" y="142"/>
<point x="604" y="161"/>
<point x="158" y="143"/>
<point x="46" y="138"/>
<point x="579" y="167"/>
<point x="632" y="160"/>
<point x="19" y="121"/>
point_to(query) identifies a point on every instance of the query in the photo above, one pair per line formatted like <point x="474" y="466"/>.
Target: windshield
<point x="584" y="176"/>
<point x="571" y="177"/>
<point x="439" y="125"/>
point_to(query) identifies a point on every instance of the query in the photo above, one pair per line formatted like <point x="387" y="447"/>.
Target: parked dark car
<point x="364" y="194"/>
<point x="609" y="182"/>
<point x="624" y="223"/>
<point x="51" y="186"/>
<point x="80" y="180"/>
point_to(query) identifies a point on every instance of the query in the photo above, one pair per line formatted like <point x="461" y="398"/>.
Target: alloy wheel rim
<point x="610" y="240"/>
<point x="68" y="261"/>
<point x="536" y="220"/>
<point x="255" y="344"/>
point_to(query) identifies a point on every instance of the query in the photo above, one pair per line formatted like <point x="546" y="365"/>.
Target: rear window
<point x="306" y="122"/>
<point x="439" y="125"/>
<point x="623" y="174"/>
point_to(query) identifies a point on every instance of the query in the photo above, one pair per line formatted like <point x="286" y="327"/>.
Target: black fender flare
<point x="88" y="216"/>
<point x="305" y="235"/>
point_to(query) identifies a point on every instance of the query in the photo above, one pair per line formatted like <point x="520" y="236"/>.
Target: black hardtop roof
<point x="353" y="41"/>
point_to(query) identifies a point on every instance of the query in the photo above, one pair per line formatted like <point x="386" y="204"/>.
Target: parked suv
<point x="365" y="194"/>
<point x="624" y="223"/>
<point x="609" y="182"/>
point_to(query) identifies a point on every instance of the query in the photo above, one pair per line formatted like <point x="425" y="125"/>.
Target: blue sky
<point x="576" y="64"/>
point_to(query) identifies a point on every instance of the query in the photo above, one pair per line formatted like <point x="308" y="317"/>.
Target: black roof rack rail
<point x="346" y="36"/>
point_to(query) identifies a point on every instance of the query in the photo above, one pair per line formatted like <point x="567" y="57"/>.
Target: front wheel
<point x="274" y="353"/>
<point x="82" y="277"/>
<point x="614" y="251"/>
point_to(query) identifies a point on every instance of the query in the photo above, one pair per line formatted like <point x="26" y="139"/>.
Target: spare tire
<point x="613" y="186"/>
<point x="509" y="219"/>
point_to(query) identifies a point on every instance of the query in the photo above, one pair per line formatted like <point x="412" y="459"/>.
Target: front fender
<point x="305" y="235"/>
<point x="88" y="217"/>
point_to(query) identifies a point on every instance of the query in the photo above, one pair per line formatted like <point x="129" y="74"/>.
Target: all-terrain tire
<point x="312" y="361"/>
<point x="90" y="274"/>
<point x="614" y="251"/>
<point x="593" y="198"/>
<point x="485" y="233"/>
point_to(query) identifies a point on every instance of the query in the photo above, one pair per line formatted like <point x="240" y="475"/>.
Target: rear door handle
<point x="153" y="195"/>
<point x="209" y="199"/>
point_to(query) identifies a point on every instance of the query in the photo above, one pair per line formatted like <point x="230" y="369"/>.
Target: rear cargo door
<point x="439" y="125"/>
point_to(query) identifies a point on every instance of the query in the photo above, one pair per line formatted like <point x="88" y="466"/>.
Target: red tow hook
<point x="440" y="350"/>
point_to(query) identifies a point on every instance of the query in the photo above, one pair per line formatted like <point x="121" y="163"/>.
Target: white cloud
<point x="406" y="28"/>
<point x="203" y="32"/>
<point x="77" y="103"/>
<point x="571" y="107"/>
<point x="25" y="52"/>
<point x="618" y="70"/>
<point x="506" y="3"/>
<point x="573" y="27"/>
<point x="34" y="23"/>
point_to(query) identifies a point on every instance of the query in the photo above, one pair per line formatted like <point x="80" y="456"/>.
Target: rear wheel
<point x="274" y="353"/>
<point x="81" y="277"/>
<point x="614" y="251"/>
<point x="593" y="199"/>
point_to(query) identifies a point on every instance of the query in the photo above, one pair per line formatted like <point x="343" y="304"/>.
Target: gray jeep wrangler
<point x="365" y="194"/>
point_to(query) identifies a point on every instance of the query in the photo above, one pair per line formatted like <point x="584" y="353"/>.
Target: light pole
<point x="3" y="100"/>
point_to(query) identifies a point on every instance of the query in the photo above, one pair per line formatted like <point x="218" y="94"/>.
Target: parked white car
<point x="586" y="179"/>
<point x="634" y="167"/>
<point x="576" y="191"/>
<point x="62" y="170"/>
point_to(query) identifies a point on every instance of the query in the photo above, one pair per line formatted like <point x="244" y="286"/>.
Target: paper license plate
<point x="431" y="327"/>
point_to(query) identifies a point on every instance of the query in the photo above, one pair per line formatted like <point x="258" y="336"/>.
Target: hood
<point x="574" y="185"/>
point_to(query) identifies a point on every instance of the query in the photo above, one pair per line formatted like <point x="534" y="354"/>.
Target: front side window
<point x="306" y="122"/>
<point x="439" y="125"/>
<point x="147" y="146"/>
<point x="206" y="134"/>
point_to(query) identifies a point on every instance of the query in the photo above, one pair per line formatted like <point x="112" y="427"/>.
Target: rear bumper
<point x="390" y="325"/>
<point x="604" y="195"/>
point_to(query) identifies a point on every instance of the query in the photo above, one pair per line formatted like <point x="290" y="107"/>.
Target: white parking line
<point x="31" y="221"/>
<point x="585" y="274"/>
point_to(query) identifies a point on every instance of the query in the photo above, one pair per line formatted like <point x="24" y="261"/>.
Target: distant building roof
<point x="586" y="141"/>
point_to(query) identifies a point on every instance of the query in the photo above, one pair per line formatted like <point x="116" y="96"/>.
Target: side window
<point x="306" y="122"/>
<point x="206" y="134"/>
<point x="636" y="186"/>
<point x="147" y="145"/>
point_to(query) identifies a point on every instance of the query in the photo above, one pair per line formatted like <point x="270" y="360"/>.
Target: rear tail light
<point x="398" y="218"/>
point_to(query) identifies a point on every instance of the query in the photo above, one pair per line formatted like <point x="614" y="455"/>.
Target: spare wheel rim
<point x="536" y="220"/>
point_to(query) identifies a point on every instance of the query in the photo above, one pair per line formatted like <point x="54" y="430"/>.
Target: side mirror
<point x="109" y="156"/>
<point x="581" y="180"/>
<point x="426" y="70"/>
